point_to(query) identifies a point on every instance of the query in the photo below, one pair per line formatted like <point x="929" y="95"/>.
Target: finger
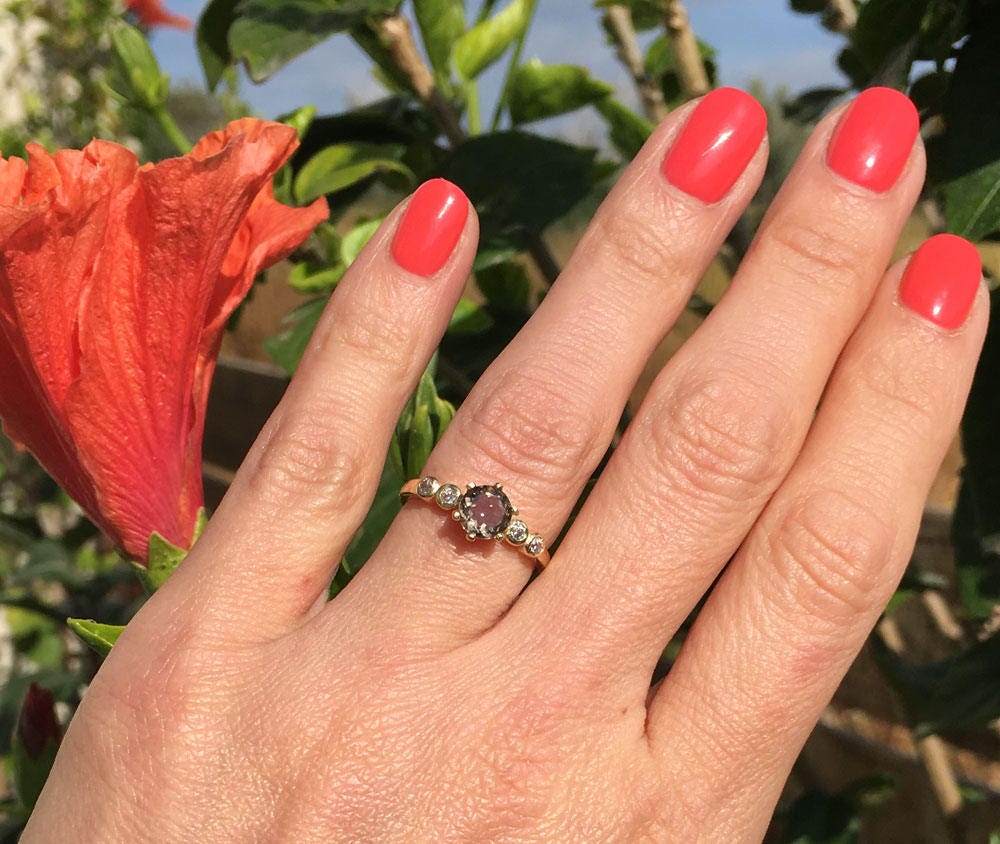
<point x="541" y="417"/>
<point x="724" y="420"/>
<point x="797" y="602"/>
<point x="310" y="476"/>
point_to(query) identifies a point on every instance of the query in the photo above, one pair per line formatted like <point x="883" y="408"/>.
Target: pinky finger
<point x="310" y="477"/>
<point x="797" y="602"/>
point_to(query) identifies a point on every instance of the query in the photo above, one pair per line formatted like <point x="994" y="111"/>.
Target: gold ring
<point x="483" y="510"/>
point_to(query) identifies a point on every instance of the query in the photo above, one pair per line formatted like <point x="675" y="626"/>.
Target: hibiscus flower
<point x="151" y="13"/>
<point x="115" y="285"/>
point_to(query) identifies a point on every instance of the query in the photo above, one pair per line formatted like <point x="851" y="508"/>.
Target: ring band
<point x="484" y="512"/>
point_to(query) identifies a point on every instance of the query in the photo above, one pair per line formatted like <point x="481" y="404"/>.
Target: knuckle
<point x="369" y="330"/>
<point x="632" y="248"/>
<point x="306" y="462"/>
<point x="717" y="439"/>
<point x="526" y="427"/>
<point x="888" y="374"/>
<point x="827" y="549"/>
<point x="822" y="253"/>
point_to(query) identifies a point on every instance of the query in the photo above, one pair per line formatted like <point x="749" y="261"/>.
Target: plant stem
<point x="618" y="21"/>
<point x="515" y="60"/>
<point x="485" y="10"/>
<point x="395" y="32"/>
<point x="170" y="128"/>
<point x="843" y="15"/>
<point x="472" y="108"/>
<point x="690" y="66"/>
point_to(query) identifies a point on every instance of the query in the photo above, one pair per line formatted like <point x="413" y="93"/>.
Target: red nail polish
<point x="430" y="228"/>
<point x="872" y="142"/>
<point x="942" y="279"/>
<point x="716" y="144"/>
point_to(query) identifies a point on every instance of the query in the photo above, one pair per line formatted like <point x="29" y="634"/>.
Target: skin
<point x="433" y="700"/>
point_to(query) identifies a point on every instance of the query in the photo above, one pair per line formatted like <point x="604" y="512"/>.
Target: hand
<point x="433" y="699"/>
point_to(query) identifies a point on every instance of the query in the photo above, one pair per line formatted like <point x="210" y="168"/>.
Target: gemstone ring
<point x="483" y="510"/>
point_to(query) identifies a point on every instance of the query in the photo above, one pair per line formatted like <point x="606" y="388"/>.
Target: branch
<point x="618" y="22"/>
<point x="398" y="39"/>
<point x="690" y="67"/>
<point x="841" y="16"/>
<point x="931" y="749"/>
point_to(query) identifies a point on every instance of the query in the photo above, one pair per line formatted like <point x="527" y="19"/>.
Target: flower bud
<point x="36" y="740"/>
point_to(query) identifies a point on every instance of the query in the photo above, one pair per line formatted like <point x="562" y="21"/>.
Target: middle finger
<point x="724" y="421"/>
<point x="541" y="417"/>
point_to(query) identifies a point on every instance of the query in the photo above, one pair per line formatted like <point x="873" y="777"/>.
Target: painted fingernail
<point x="872" y="142"/>
<point x="430" y="228"/>
<point x="942" y="279"/>
<point x="716" y="144"/>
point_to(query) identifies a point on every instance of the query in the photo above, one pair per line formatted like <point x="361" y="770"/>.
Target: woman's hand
<point x="436" y="698"/>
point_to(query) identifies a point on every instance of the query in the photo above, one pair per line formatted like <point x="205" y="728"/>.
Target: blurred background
<point x="909" y="749"/>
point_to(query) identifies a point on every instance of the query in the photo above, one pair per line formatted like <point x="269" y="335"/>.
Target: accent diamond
<point x="448" y="496"/>
<point x="427" y="487"/>
<point x="534" y="546"/>
<point x="517" y="532"/>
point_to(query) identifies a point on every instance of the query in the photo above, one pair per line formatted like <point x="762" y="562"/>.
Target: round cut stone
<point x="534" y="546"/>
<point x="517" y="532"/>
<point x="485" y="511"/>
<point x="448" y="496"/>
<point x="427" y="487"/>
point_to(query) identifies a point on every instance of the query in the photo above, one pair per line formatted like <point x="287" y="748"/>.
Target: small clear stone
<point x="534" y="546"/>
<point x="427" y="487"/>
<point x="517" y="532"/>
<point x="448" y="496"/>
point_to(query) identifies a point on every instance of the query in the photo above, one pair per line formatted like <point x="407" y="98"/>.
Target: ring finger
<point x="541" y="417"/>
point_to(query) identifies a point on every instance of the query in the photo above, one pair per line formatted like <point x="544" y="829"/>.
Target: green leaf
<point x="486" y="42"/>
<point x="661" y="63"/>
<point x="300" y="119"/>
<point x="976" y="524"/>
<point x="469" y="318"/>
<point x="628" y="130"/>
<point x="810" y="105"/>
<point x="145" y="85"/>
<point x="164" y="557"/>
<point x="809" y="7"/>
<point x="267" y="34"/>
<point x="972" y="143"/>
<point x="506" y="285"/>
<point x="383" y="510"/>
<point x="341" y="165"/>
<point x="518" y="181"/>
<point x="883" y="26"/>
<point x="959" y="693"/>
<point x="356" y="240"/>
<point x="442" y="23"/>
<point x="212" y="39"/>
<point x="310" y="277"/>
<point x="286" y="349"/>
<point x="100" y="637"/>
<point x="538" y="91"/>
<point x="819" y="818"/>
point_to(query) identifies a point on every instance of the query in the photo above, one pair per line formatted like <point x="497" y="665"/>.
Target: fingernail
<point x="716" y="144"/>
<point x="942" y="279"/>
<point x="872" y="142"/>
<point x="430" y="228"/>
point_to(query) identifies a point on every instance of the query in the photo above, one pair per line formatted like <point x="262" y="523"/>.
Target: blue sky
<point x="762" y="39"/>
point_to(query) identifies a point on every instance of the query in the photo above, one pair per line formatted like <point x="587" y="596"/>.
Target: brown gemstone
<point x="485" y="511"/>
